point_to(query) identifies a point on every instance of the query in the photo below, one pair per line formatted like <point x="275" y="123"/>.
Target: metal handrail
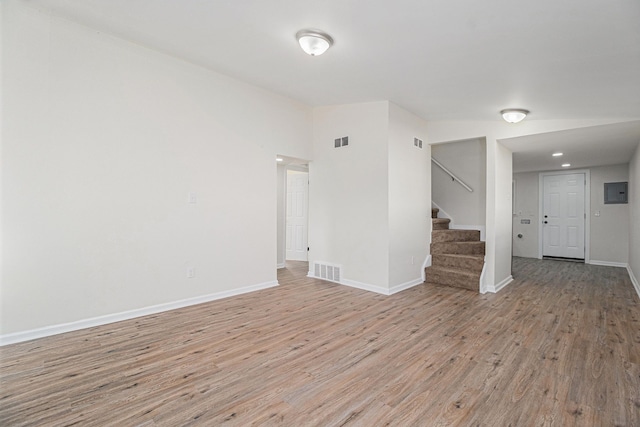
<point x="453" y="177"/>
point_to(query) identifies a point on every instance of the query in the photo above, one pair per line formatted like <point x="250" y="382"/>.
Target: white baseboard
<point x="373" y="288"/>
<point x="608" y="263"/>
<point x="406" y="285"/>
<point x="365" y="286"/>
<point x="636" y="285"/>
<point x="17" y="337"/>
<point x="499" y="286"/>
<point x="281" y="265"/>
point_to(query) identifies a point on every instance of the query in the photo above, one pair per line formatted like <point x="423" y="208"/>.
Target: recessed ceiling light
<point x="314" y="42"/>
<point x="557" y="154"/>
<point x="514" y="115"/>
<point x="278" y="159"/>
<point x="566" y="165"/>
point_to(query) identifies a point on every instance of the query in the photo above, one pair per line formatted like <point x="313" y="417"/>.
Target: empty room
<point x="319" y="213"/>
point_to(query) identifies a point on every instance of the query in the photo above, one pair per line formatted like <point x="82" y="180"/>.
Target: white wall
<point x="370" y="201"/>
<point x="610" y="230"/>
<point x="526" y="199"/>
<point x="468" y="161"/>
<point x="348" y="193"/>
<point x="102" y="141"/>
<point x="503" y="215"/>
<point x="634" y="219"/>
<point x="409" y="197"/>
<point x="281" y="197"/>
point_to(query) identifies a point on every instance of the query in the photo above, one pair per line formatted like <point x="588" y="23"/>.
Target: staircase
<point x="457" y="256"/>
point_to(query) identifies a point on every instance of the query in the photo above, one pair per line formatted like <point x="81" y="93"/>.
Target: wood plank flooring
<point x="560" y="346"/>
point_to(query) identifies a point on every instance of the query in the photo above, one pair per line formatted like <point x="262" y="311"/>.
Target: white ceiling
<point x="442" y="60"/>
<point x="582" y="148"/>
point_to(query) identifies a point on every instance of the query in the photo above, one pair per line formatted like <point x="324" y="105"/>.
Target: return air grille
<point x="327" y="271"/>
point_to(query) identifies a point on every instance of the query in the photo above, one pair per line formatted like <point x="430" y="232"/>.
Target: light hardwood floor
<point x="560" y="346"/>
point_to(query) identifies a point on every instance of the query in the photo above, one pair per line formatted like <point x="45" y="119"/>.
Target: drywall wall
<point x="409" y="197"/>
<point x="634" y="219"/>
<point x="526" y="208"/>
<point x="468" y="161"/>
<point x="503" y="214"/>
<point x="281" y="197"/>
<point x="609" y="223"/>
<point x="348" y="193"/>
<point x="103" y="143"/>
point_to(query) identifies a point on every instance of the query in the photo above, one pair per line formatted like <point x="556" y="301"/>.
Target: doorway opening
<point x="292" y="212"/>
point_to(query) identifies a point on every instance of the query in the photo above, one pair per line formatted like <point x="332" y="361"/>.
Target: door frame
<point x="587" y="208"/>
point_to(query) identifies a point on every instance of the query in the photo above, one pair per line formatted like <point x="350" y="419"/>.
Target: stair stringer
<point x="483" y="285"/>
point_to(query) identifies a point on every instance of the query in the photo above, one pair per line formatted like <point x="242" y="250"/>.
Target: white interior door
<point x="297" y="203"/>
<point x="563" y="218"/>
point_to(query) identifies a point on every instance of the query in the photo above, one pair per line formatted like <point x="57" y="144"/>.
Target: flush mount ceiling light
<point x="566" y="165"/>
<point x="314" y="42"/>
<point x="514" y="115"/>
<point x="557" y="154"/>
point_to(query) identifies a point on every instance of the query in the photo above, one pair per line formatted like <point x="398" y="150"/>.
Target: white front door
<point x="563" y="215"/>
<point x="297" y="202"/>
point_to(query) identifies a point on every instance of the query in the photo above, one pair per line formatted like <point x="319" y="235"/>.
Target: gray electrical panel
<point x="615" y="192"/>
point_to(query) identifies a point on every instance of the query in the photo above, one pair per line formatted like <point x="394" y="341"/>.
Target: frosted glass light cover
<point x="513" y="116"/>
<point x="313" y="45"/>
<point x="314" y="42"/>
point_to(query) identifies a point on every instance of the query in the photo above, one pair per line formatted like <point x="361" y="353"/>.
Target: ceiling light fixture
<point x="566" y="165"/>
<point x="314" y="42"/>
<point x="278" y="159"/>
<point x="557" y="154"/>
<point x="514" y="115"/>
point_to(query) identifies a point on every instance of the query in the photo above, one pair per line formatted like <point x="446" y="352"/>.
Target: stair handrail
<point x="453" y="177"/>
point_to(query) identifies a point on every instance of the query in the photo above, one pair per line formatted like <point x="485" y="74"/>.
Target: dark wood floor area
<point x="560" y="346"/>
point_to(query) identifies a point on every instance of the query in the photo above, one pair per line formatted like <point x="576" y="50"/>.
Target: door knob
<point x="546" y="216"/>
<point x="545" y="222"/>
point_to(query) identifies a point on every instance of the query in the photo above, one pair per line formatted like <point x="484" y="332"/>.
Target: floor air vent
<point x="326" y="271"/>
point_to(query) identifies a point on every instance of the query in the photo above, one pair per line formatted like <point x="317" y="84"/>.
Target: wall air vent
<point x="326" y="271"/>
<point x="341" y="142"/>
<point x="417" y="142"/>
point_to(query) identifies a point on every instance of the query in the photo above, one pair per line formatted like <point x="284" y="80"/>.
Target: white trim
<point x="587" y="208"/>
<point x="609" y="263"/>
<point x="281" y="265"/>
<point x="406" y="285"/>
<point x="364" y="286"/>
<point x="634" y="281"/>
<point x="17" y="337"/>
<point x="483" y="286"/>
<point x="425" y="264"/>
<point x="499" y="286"/>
